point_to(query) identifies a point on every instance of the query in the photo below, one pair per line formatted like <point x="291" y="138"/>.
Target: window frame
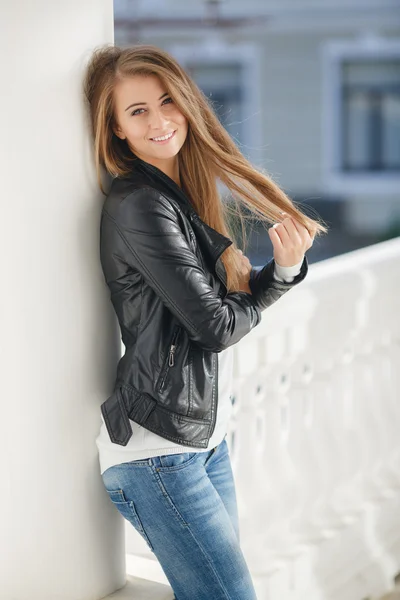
<point x="336" y="179"/>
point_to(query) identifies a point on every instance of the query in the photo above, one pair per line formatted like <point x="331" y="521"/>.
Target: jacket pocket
<point x="169" y="360"/>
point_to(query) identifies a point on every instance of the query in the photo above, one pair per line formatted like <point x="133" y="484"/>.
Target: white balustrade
<point x="314" y="436"/>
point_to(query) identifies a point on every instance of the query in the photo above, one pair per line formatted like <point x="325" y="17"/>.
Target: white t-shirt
<point x="145" y="444"/>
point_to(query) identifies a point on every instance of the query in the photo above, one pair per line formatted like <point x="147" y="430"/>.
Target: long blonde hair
<point x="208" y="153"/>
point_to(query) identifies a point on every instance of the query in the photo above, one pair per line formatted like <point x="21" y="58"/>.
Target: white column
<point x="60" y="537"/>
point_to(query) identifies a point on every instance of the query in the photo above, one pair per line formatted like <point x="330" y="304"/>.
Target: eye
<point x="135" y="112"/>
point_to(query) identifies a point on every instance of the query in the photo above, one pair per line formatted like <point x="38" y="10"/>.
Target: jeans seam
<point x="187" y="526"/>
<point x="140" y="524"/>
<point x="210" y="563"/>
<point x="168" y="498"/>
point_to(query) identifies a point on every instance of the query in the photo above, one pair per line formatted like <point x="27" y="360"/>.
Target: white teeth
<point x="164" y="137"/>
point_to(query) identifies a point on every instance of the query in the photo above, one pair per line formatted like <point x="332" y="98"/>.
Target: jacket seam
<point x="181" y="418"/>
<point x="159" y="407"/>
<point x="156" y="285"/>
<point x="140" y="317"/>
<point x="179" y="440"/>
<point x="106" y="416"/>
<point x="190" y="385"/>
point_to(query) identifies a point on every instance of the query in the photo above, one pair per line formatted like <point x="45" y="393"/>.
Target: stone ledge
<point x="141" y="589"/>
<point x="395" y="595"/>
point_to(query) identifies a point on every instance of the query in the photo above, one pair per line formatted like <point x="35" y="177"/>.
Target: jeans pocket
<point x="174" y="462"/>
<point x="217" y="452"/>
<point x="128" y="510"/>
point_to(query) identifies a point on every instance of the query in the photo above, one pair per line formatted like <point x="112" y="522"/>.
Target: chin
<point x="166" y="152"/>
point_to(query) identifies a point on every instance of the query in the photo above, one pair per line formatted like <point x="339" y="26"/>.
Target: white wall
<point x="59" y="535"/>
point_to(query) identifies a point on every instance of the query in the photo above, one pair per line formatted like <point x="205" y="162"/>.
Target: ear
<point x="117" y="129"/>
<point x="119" y="133"/>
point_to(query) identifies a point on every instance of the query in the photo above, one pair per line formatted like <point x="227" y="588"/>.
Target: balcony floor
<point x="145" y="590"/>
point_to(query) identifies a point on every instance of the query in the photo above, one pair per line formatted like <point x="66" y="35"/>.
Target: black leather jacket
<point x="162" y="265"/>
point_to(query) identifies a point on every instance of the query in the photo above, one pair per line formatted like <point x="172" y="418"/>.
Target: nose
<point x="157" y="121"/>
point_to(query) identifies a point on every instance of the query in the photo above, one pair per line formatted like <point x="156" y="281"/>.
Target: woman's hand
<point x="245" y="273"/>
<point x="290" y="240"/>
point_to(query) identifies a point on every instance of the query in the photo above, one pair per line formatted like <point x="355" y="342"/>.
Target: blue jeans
<point x="184" y="506"/>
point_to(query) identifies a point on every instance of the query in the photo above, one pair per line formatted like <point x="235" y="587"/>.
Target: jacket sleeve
<point x="154" y="245"/>
<point x="266" y="288"/>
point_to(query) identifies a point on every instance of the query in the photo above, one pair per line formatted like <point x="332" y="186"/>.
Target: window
<point x="222" y="84"/>
<point x="370" y="115"/>
<point x="361" y="116"/>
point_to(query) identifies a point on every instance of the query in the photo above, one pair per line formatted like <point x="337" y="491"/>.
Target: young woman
<point x="184" y="295"/>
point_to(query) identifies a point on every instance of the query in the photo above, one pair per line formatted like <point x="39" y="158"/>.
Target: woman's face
<point x="154" y="115"/>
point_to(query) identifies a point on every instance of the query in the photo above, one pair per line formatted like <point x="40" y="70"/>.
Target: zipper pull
<point x="171" y="355"/>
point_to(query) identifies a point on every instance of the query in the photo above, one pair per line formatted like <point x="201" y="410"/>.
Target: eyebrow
<point x="137" y="103"/>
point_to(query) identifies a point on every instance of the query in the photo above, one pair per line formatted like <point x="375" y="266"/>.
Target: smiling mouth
<point x="170" y="136"/>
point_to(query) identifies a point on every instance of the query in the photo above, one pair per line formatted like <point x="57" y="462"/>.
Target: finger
<point x="283" y="234"/>
<point x="295" y="238"/>
<point x="301" y="229"/>
<point x="294" y="221"/>
<point x="275" y="239"/>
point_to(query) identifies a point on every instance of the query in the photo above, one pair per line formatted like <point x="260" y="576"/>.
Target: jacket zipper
<point x="216" y="375"/>
<point x="171" y="358"/>
<point x="196" y="247"/>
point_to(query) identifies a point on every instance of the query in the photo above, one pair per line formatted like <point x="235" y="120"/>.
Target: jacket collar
<point x="212" y="242"/>
<point x="159" y="177"/>
<point x="211" y="239"/>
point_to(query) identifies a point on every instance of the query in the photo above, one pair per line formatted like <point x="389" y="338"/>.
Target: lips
<point x="163" y="141"/>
